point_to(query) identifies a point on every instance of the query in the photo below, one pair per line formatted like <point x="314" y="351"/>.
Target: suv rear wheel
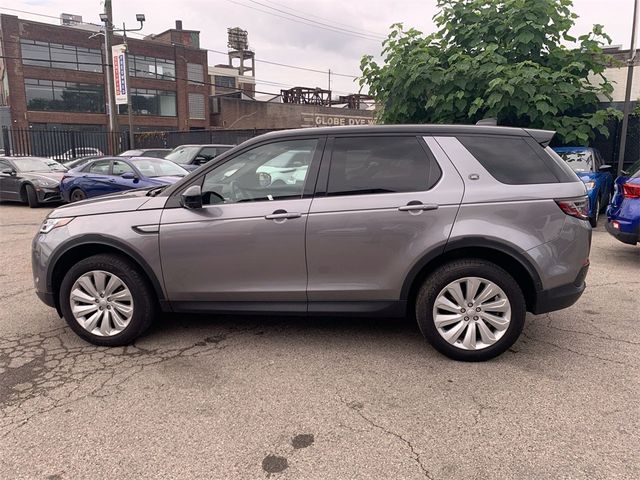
<point x="106" y="300"/>
<point x="470" y="310"/>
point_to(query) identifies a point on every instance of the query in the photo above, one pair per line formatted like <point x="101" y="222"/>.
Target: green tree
<point x="502" y="59"/>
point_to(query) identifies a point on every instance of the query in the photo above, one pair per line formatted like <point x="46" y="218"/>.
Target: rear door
<point x="9" y="184"/>
<point x="382" y="204"/>
<point x="97" y="179"/>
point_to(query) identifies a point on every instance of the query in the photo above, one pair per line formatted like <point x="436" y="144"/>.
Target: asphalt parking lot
<point x="296" y="398"/>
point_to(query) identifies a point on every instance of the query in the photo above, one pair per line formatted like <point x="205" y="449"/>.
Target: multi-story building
<point x="54" y="76"/>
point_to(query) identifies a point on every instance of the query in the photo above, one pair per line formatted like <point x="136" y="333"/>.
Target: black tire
<point x="459" y="269"/>
<point x="77" y="195"/>
<point x="593" y="219"/>
<point x="144" y="299"/>
<point x="32" y="196"/>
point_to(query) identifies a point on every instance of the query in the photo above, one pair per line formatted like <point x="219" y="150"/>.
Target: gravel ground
<point x="284" y="398"/>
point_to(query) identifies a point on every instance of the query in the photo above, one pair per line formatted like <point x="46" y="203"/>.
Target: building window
<point x="224" y="81"/>
<point x="54" y="55"/>
<point x="64" y="96"/>
<point x="195" y="73"/>
<point x="147" y="101"/>
<point x="151" y="67"/>
<point x="196" y="106"/>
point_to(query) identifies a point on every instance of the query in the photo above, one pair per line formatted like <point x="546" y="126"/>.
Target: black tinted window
<point x="510" y="160"/>
<point x="361" y="165"/>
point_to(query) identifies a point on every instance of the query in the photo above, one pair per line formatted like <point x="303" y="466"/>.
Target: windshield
<point x="156" y="167"/>
<point x="578" y="161"/>
<point x="131" y="153"/>
<point x="183" y="155"/>
<point x="33" y="164"/>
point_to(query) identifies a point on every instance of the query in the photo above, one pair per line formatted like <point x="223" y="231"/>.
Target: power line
<point x="351" y="27"/>
<point x="332" y="29"/>
<point x="346" y="30"/>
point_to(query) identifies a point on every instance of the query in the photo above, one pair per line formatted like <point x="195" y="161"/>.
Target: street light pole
<point x="108" y="32"/>
<point x="627" y="96"/>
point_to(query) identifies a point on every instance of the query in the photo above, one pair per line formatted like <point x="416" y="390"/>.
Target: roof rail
<point x="488" y="122"/>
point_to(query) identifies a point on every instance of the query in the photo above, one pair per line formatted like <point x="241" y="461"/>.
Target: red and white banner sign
<point x="119" y="73"/>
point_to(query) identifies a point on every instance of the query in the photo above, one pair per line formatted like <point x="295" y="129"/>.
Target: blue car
<point x="111" y="175"/>
<point x="623" y="215"/>
<point x="596" y="175"/>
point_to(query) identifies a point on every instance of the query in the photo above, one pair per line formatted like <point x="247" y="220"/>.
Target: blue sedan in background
<point x="111" y="175"/>
<point x="623" y="215"/>
<point x="596" y="175"/>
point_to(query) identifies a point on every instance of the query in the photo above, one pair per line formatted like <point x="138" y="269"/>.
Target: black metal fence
<point x="68" y="144"/>
<point x="174" y="139"/>
<point x="62" y="144"/>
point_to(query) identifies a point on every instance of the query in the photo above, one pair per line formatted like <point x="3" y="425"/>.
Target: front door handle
<point x="415" y="206"/>
<point x="282" y="215"/>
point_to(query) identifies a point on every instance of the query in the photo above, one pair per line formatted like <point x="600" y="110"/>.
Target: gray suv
<point x="464" y="227"/>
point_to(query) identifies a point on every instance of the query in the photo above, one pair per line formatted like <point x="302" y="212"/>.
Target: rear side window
<point x="509" y="160"/>
<point x="362" y="165"/>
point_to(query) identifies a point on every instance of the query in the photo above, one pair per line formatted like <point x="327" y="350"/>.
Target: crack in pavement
<point x="560" y="347"/>
<point x="40" y="372"/>
<point x="621" y="282"/>
<point x="606" y="337"/>
<point x="357" y="407"/>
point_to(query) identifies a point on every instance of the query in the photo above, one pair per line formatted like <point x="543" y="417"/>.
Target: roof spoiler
<point x="543" y="137"/>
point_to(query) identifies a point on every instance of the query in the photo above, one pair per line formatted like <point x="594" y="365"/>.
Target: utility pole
<point x="329" y="87"/>
<point x="108" y="33"/>
<point x="627" y="96"/>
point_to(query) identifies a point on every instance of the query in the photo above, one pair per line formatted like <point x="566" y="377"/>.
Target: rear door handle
<point x="282" y="215"/>
<point x="418" y="206"/>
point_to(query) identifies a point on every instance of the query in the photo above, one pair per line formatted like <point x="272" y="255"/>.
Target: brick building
<point x="54" y="76"/>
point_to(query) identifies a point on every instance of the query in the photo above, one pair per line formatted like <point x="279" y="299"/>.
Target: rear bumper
<point x="629" y="238"/>
<point x="560" y="297"/>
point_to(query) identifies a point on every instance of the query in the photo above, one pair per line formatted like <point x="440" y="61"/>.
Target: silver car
<point x="464" y="227"/>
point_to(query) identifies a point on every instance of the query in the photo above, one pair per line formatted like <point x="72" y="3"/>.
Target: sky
<point x="292" y="40"/>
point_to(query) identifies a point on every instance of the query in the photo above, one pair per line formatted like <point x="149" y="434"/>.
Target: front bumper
<point x="560" y="297"/>
<point x="629" y="238"/>
<point x="48" y="195"/>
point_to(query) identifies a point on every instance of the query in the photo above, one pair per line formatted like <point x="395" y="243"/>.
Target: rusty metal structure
<point x="355" y="100"/>
<point x="238" y="44"/>
<point x="307" y="96"/>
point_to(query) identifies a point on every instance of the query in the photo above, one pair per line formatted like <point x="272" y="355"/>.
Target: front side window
<point x="120" y="167"/>
<point x="250" y="177"/>
<point x="366" y="165"/>
<point x="101" y="167"/>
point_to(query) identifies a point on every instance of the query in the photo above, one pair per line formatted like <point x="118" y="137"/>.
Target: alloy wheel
<point x="101" y="303"/>
<point x="472" y="313"/>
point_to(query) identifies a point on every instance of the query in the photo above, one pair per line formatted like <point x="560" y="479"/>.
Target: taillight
<point x="631" y="190"/>
<point x="575" y="207"/>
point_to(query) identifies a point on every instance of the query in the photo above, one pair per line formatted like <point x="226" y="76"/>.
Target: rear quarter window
<point x="510" y="160"/>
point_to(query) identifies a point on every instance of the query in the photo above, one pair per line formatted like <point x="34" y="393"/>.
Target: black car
<point x="191" y="157"/>
<point x="146" y="152"/>
<point x="31" y="180"/>
<point x="79" y="161"/>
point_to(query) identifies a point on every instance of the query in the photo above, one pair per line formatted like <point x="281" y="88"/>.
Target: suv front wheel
<point x="470" y="310"/>
<point x="106" y="300"/>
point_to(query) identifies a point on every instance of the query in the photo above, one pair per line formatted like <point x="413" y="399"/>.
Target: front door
<point x="97" y="179"/>
<point x="9" y="183"/>
<point x="245" y="248"/>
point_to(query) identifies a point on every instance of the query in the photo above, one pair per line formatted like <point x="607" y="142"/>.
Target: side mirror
<point x="192" y="197"/>
<point x="129" y="176"/>
<point x="9" y="171"/>
<point x="605" y="168"/>
<point x="264" y="179"/>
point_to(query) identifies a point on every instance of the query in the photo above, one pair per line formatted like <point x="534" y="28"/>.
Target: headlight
<point x="43" y="183"/>
<point x="590" y="185"/>
<point x="51" y="223"/>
